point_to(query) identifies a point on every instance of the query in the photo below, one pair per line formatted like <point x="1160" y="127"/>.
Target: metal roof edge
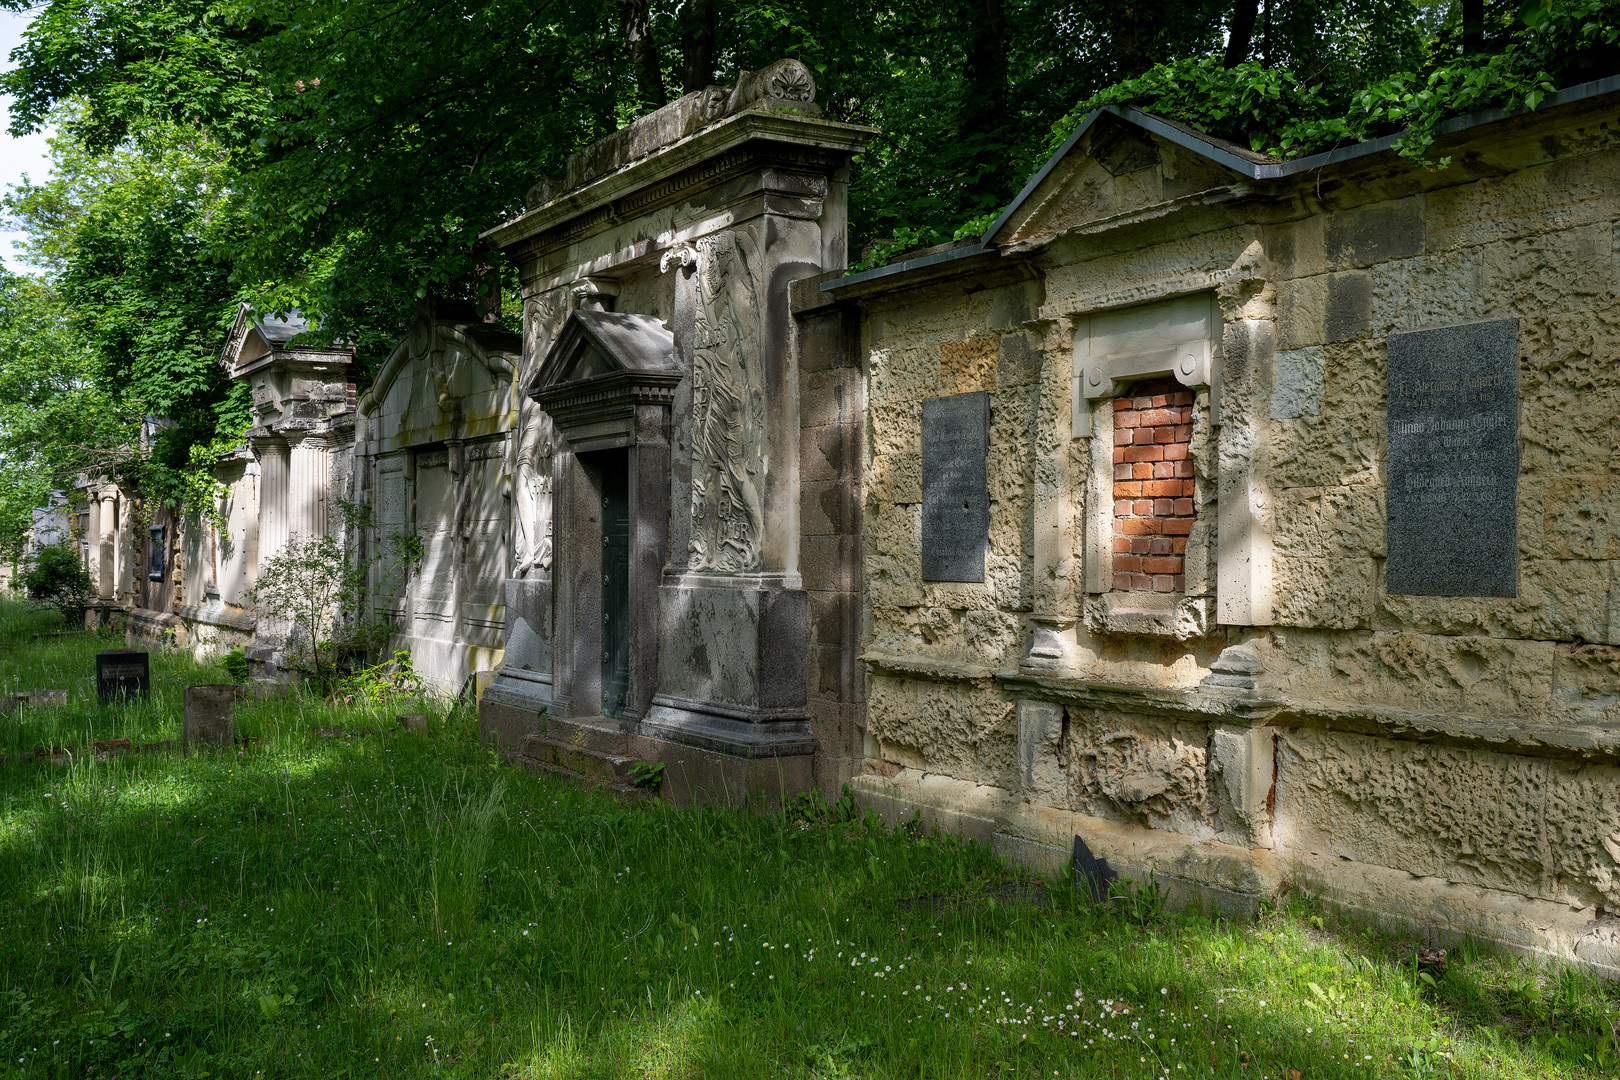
<point x="1212" y="150"/>
<point x="1253" y="170"/>
<point x="920" y="263"/>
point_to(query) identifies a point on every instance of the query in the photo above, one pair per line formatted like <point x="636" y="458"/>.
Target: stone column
<point x="307" y="478"/>
<point x="1055" y="509"/>
<point x="272" y="454"/>
<point x="92" y="536"/>
<point x="107" y="538"/>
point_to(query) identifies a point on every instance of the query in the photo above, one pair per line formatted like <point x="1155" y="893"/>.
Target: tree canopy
<point x="342" y="156"/>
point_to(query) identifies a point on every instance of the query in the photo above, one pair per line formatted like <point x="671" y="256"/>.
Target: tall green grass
<point x="401" y="906"/>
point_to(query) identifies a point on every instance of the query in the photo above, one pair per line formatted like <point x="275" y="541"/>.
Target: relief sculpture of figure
<point x="727" y="407"/>
<point x="532" y="543"/>
<point x="533" y="548"/>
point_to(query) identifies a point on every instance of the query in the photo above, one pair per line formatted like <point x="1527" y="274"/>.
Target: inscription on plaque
<point x="956" y="495"/>
<point x="121" y="673"/>
<point x="1452" y="500"/>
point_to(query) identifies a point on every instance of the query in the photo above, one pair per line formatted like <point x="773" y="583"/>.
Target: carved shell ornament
<point x="791" y="82"/>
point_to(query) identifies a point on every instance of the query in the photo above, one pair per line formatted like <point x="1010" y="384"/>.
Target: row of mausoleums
<point x="1254" y="522"/>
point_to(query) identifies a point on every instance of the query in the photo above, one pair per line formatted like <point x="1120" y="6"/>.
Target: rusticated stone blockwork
<point x="1153" y="487"/>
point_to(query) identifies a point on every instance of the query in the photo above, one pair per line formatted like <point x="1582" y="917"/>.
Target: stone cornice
<point x="605" y="397"/>
<point x="668" y="172"/>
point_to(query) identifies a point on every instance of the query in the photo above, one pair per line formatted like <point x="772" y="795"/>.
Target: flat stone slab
<point x="1453" y="492"/>
<point x="33" y="699"/>
<point x="956" y="491"/>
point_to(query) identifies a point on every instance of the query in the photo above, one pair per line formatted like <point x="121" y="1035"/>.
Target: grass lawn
<point x="390" y="905"/>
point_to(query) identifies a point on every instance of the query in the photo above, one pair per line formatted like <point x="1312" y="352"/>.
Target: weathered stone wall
<point x="1277" y="714"/>
<point x="433" y="459"/>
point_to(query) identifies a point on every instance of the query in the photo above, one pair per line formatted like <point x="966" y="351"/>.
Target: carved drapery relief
<point x="727" y="406"/>
<point x="532" y="517"/>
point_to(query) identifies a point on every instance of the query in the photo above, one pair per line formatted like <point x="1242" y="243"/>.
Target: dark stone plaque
<point x="157" y="553"/>
<point x="1452" y="499"/>
<point x="956" y="495"/>
<point x="121" y="673"/>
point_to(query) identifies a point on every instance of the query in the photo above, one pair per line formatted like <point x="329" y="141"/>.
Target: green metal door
<point x="615" y="582"/>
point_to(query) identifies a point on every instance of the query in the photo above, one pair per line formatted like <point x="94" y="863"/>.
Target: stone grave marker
<point x="122" y="673"/>
<point x="210" y="715"/>
<point x="956" y="493"/>
<point x="1453" y="480"/>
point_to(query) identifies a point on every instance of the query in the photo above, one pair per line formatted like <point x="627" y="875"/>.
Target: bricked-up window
<point x="1153" y="487"/>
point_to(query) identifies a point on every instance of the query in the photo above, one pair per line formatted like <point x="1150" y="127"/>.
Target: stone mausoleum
<point x="687" y="602"/>
<point x="1254" y="522"/>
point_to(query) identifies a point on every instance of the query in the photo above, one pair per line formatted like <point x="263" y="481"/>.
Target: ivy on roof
<point x="1279" y="115"/>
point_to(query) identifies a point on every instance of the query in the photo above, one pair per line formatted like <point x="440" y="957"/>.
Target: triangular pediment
<point x="594" y="344"/>
<point x="1116" y="171"/>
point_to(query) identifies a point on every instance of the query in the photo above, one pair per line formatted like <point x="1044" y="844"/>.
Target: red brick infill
<point x="1153" y="487"/>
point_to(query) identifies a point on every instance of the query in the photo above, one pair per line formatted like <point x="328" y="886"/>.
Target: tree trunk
<point x="636" y="22"/>
<point x="1241" y="35"/>
<point x="1473" y="27"/>
<point x="698" y="19"/>
<point x="984" y="110"/>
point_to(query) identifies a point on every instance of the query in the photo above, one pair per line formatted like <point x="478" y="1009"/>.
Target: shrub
<point x="235" y="664"/>
<point x="54" y="577"/>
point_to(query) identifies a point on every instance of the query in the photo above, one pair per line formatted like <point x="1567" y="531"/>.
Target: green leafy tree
<point x="56" y="421"/>
<point x="131" y="240"/>
<point x="54" y="577"/>
<point x="317" y="597"/>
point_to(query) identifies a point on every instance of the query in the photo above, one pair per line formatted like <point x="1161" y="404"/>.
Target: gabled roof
<point x="1245" y="164"/>
<point x="254" y="337"/>
<point x="598" y="343"/>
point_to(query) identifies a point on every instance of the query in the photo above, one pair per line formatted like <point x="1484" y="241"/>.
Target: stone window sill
<point x="1158" y="614"/>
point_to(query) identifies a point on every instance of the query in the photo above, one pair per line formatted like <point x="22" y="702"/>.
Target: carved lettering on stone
<point x="1452" y="496"/>
<point x="728" y="404"/>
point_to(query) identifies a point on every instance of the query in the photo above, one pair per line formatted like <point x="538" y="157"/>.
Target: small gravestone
<point x="414" y="722"/>
<point x="1453" y="480"/>
<point x="956" y="493"/>
<point x="122" y="673"/>
<point x="210" y="715"/>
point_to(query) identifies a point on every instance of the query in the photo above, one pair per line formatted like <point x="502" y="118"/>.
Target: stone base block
<point x="510" y="708"/>
<point x="693" y="774"/>
<point x="1219" y="878"/>
<point x="161" y="628"/>
<point x="748" y="733"/>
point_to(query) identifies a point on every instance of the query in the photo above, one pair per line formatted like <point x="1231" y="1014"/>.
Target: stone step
<point x="609" y="768"/>
<point x="594" y="734"/>
<point x="624" y="792"/>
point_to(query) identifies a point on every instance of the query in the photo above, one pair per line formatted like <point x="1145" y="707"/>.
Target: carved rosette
<point x="728" y="406"/>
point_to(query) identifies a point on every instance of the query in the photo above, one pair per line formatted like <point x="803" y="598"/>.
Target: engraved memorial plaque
<point x="121" y="673"/>
<point x="956" y="496"/>
<point x="1453" y="484"/>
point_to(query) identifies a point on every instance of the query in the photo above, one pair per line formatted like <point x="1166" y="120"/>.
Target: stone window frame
<point x="1096" y="381"/>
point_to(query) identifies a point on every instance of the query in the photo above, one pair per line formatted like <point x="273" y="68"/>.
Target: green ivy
<point x="1273" y="112"/>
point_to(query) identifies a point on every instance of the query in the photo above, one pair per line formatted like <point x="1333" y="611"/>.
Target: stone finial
<point x="595" y="293"/>
<point x="786" y="84"/>
<point x="1239" y="669"/>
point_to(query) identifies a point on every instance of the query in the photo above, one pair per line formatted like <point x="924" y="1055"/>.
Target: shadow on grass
<point x="402" y="906"/>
